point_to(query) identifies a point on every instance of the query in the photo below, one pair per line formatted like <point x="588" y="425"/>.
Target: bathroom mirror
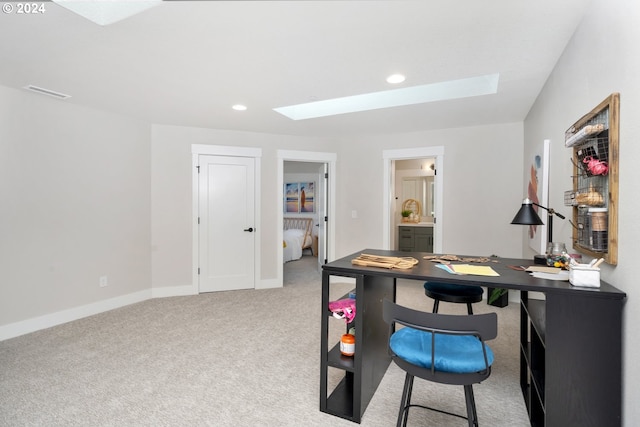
<point x="420" y="188"/>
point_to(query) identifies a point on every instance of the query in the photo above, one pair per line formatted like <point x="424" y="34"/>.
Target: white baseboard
<point x="174" y="291"/>
<point x="23" y="327"/>
<point x="268" y="284"/>
<point x="16" y="329"/>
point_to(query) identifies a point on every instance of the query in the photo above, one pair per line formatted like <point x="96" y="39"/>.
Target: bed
<point x="296" y="237"/>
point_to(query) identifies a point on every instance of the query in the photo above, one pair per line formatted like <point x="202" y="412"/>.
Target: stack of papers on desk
<point x="476" y="270"/>
<point x="549" y="273"/>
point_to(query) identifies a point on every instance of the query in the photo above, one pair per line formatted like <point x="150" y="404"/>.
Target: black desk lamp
<point x="528" y="216"/>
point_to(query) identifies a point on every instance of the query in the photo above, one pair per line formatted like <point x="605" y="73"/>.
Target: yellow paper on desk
<point x="477" y="270"/>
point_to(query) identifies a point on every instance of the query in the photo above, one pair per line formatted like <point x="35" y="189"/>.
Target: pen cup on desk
<point x="584" y="275"/>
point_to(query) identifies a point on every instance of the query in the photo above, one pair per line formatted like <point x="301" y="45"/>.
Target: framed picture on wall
<point x="299" y="197"/>
<point x="307" y="197"/>
<point x="291" y="197"/>
<point x="538" y="192"/>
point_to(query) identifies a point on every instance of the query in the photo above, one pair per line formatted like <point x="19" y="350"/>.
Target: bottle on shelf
<point x="348" y="345"/>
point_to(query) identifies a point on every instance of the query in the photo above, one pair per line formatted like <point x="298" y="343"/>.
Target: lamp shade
<point x="527" y="215"/>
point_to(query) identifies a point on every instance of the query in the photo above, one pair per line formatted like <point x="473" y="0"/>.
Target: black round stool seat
<point x="449" y="292"/>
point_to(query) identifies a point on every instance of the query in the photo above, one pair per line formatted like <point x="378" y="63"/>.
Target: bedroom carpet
<point x="240" y="358"/>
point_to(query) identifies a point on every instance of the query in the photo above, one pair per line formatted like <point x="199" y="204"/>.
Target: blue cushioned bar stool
<point x="448" y="292"/>
<point x="443" y="348"/>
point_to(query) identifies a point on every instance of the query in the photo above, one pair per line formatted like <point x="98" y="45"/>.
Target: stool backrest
<point x="485" y="326"/>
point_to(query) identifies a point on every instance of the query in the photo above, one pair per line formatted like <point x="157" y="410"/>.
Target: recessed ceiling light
<point x="442" y="91"/>
<point x="239" y="107"/>
<point x="395" y="78"/>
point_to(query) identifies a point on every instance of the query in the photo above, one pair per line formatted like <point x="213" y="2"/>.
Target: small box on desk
<point x="584" y="275"/>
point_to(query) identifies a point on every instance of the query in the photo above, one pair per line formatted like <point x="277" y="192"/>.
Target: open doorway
<point x="414" y="199"/>
<point x="305" y="210"/>
<point x="406" y="177"/>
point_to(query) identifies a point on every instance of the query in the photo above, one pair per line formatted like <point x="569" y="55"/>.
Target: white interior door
<point x="226" y="230"/>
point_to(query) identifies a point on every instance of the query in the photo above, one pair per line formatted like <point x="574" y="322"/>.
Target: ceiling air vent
<point x="49" y="92"/>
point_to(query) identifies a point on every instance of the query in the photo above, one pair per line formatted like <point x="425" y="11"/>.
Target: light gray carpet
<point x="241" y="358"/>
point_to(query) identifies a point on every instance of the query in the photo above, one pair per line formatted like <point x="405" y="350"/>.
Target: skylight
<point x="452" y="89"/>
<point x="105" y="12"/>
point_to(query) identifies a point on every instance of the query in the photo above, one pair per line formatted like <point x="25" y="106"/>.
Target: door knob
<point x="250" y="229"/>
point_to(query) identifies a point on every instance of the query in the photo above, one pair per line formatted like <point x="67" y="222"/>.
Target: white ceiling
<point x="187" y="62"/>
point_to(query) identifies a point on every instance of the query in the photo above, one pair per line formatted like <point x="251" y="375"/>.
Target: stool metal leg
<point x="436" y="303"/>
<point x="406" y="401"/>
<point x="469" y="309"/>
<point x="472" y="415"/>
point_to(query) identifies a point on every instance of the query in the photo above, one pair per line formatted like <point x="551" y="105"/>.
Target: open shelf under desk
<point x="536" y="310"/>
<point x="536" y="375"/>
<point x="340" y="401"/>
<point x="335" y="359"/>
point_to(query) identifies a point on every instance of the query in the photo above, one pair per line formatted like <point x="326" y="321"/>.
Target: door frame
<point x="388" y="156"/>
<point x="314" y="157"/>
<point x="221" y="150"/>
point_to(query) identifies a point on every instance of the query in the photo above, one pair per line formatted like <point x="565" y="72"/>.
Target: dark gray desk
<point x="571" y="343"/>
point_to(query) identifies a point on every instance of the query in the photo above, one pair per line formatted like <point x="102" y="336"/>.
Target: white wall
<point x="602" y="57"/>
<point x="75" y="205"/>
<point x="480" y="196"/>
<point x="171" y="195"/>
<point x="480" y="200"/>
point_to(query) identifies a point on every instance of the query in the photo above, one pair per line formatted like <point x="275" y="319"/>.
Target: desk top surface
<point x="508" y="279"/>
